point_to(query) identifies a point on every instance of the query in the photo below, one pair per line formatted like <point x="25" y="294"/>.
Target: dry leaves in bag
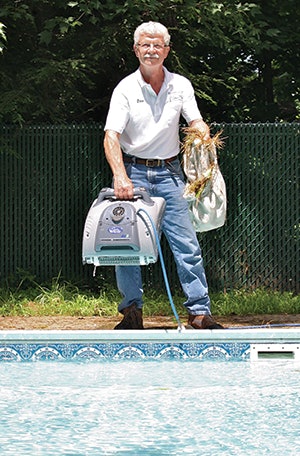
<point x="205" y="189"/>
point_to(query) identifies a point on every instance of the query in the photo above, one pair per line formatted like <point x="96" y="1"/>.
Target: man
<point x="141" y="146"/>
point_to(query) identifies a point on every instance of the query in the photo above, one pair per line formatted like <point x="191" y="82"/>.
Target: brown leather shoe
<point x="203" y="322"/>
<point x="133" y="318"/>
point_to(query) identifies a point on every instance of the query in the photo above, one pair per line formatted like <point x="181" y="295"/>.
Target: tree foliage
<point x="62" y="59"/>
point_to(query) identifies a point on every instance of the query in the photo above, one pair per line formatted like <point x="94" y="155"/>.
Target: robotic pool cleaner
<point x="122" y="232"/>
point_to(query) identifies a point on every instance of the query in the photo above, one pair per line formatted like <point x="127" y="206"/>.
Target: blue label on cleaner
<point x="115" y="229"/>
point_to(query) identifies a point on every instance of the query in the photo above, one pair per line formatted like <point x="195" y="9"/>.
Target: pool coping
<point x="229" y="344"/>
<point x="288" y="335"/>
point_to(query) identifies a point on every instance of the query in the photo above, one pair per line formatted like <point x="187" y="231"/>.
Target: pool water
<point x="150" y="408"/>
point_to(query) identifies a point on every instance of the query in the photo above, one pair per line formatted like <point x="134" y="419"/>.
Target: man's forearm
<point x="113" y="152"/>
<point x="122" y="184"/>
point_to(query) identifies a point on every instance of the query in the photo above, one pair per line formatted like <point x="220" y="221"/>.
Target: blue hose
<point x="180" y="326"/>
<point x="274" y="325"/>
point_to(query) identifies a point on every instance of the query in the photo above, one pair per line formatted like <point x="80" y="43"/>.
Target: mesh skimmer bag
<point x="205" y="188"/>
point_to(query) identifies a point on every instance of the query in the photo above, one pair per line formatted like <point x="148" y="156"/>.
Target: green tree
<point x="62" y="59"/>
<point x="271" y="90"/>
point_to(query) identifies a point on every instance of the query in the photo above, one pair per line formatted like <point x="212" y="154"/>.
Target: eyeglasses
<point x="147" y="46"/>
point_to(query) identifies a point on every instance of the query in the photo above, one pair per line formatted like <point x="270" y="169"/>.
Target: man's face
<point x="151" y="50"/>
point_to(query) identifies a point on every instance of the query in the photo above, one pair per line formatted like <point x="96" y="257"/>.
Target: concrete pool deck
<point x="235" y="344"/>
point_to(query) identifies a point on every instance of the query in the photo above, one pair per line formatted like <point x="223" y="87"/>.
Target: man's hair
<point x="152" y="28"/>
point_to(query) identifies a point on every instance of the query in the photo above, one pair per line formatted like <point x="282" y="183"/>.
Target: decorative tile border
<point x="227" y="345"/>
<point x="114" y="351"/>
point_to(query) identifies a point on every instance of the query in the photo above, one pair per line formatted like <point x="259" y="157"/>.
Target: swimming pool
<point x="158" y="407"/>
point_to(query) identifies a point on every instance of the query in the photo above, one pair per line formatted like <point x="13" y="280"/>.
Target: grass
<point x="60" y="298"/>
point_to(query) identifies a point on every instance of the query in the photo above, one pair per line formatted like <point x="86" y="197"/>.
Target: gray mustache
<point x="152" y="56"/>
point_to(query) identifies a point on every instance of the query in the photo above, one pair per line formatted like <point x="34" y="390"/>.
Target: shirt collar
<point x="143" y="83"/>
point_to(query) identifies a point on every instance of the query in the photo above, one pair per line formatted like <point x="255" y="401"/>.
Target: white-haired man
<point x="141" y="145"/>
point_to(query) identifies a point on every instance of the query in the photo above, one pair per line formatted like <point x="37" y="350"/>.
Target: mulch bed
<point x="159" y="322"/>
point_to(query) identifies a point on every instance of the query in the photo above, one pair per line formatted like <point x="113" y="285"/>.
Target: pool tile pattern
<point x="109" y="351"/>
<point x="65" y="345"/>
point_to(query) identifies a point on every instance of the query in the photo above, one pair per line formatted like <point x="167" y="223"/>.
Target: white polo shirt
<point x="147" y="122"/>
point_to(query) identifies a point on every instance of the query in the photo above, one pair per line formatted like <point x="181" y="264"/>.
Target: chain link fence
<point x="50" y="174"/>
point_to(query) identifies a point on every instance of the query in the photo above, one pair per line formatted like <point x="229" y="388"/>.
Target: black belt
<point x="151" y="162"/>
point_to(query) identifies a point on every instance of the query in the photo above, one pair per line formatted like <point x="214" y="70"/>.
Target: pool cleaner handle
<point x="140" y="192"/>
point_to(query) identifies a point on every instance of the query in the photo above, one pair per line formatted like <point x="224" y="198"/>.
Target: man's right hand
<point x="123" y="187"/>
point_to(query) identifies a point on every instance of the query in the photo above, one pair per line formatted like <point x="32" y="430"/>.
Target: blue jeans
<point x="168" y="182"/>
